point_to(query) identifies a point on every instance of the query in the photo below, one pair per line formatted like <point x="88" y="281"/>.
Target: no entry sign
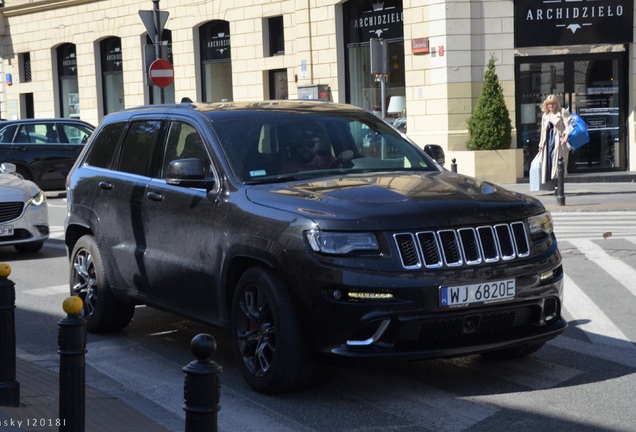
<point x="161" y="73"/>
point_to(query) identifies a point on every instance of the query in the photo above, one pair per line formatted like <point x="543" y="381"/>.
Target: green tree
<point x="489" y="126"/>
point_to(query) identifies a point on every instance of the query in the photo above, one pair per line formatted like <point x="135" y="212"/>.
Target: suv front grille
<point x="10" y="211"/>
<point x="463" y="246"/>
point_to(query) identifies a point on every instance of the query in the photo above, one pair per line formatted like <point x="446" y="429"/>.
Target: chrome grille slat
<point x="465" y="246"/>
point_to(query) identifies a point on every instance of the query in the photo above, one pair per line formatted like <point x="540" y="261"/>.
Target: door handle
<point x="105" y="185"/>
<point x="154" y="196"/>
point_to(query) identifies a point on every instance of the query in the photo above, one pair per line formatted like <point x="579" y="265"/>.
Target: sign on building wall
<point x="216" y="39"/>
<point x="366" y="19"/>
<point x="567" y="22"/>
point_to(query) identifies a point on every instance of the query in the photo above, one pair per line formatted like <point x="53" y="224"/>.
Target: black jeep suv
<point x="308" y="230"/>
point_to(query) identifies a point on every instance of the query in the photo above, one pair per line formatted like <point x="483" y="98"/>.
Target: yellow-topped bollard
<point x="5" y="270"/>
<point x="9" y="387"/>
<point x="72" y="349"/>
<point x="73" y="305"/>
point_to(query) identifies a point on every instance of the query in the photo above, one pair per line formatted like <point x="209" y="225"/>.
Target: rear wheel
<point x="102" y="311"/>
<point x="514" y="352"/>
<point x="266" y="338"/>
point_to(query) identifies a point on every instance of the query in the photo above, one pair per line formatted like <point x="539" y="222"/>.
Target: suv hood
<point x="404" y="200"/>
<point x="13" y="188"/>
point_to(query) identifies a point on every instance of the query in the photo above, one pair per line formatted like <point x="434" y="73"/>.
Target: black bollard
<point x="202" y="387"/>
<point x="454" y="165"/>
<point x="560" y="179"/>
<point x="72" y="344"/>
<point x="9" y="387"/>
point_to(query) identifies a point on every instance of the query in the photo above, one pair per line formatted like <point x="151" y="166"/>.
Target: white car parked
<point x="24" y="218"/>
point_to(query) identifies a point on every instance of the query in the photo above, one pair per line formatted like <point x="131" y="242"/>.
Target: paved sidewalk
<point x="581" y="197"/>
<point x="104" y="411"/>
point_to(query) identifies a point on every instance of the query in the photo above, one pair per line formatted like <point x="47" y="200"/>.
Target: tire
<point x="29" y="247"/>
<point x="514" y="352"/>
<point x="88" y="280"/>
<point x="267" y="342"/>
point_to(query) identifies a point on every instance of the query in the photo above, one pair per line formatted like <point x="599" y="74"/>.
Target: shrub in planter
<point x="489" y="126"/>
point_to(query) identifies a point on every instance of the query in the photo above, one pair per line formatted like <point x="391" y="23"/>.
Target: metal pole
<point x="9" y="387"/>
<point x="202" y="387"/>
<point x="560" y="177"/>
<point x="157" y="42"/>
<point x="72" y="344"/>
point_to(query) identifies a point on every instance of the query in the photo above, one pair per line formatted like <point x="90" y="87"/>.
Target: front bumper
<point x="411" y="325"/>
<point x="31" y="226"/>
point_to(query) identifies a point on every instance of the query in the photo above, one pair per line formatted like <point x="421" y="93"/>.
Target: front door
<point x="589" y="85"/>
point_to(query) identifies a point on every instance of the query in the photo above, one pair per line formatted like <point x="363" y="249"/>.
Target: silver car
<point x="24" y="218"/>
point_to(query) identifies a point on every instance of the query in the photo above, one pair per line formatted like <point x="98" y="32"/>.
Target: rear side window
<point x="139" y="146"/>
<point x="104" y="146"/>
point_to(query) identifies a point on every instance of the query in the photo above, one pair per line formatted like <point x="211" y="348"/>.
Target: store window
<point x="158" y="94"/>
<point x="364" y="20"/>
<point x="112" y="75"/>
<point x="69" y="103"/>
<point x="216" y="61"/>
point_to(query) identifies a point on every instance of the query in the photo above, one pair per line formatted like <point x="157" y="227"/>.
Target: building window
<point x="67" y="75"/>
<point x="158" y="94"/>
<point x="112" y="75"/>
<point x="274" y="37"/>
<point x="216" y="61"/>
<point x="24" y="65"/>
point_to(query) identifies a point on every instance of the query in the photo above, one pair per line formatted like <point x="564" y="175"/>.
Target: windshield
<point x="286" y="145"/>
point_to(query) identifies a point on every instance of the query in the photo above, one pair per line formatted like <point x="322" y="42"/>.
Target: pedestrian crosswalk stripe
<point x="49" y="291"/>
<point x="621" y="271"/>
<point x="591" y="319"/>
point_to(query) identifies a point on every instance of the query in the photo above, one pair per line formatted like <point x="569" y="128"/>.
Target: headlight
<point x="341" y="243"/>
<point x="540" y="224"/>
<point x="38" y="199"/>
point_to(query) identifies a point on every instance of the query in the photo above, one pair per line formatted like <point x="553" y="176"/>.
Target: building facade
<point x="421" y="61"/>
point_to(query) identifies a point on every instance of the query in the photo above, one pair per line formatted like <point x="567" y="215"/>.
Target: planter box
<point x="496" y="166"/>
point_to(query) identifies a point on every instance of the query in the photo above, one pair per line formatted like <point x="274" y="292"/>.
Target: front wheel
<point x="88" y="279"/>
<point x="266" y="338"/>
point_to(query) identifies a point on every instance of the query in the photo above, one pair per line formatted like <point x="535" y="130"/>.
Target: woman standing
<point x="555" y="129"/>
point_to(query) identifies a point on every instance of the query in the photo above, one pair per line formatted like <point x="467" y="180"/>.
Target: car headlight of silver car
<point x="540" y="224"/>
<point x="38" y="199"/>
<point x="341" y="243"/>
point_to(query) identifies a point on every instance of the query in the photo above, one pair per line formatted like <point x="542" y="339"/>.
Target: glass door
<point x="588" y="85"/>
<point x="595" y="97"/>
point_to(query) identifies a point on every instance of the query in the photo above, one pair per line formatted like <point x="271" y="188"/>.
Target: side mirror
<point x="436" y="152"/>
<point x="188" y="173"/>
<point x="8" y="168"/>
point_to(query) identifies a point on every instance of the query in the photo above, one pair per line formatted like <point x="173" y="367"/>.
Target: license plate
<point x="6" y="230"/>
<point x="475" y="294"/>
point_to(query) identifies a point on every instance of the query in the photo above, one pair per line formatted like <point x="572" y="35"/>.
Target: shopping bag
<point x="535" y="173"/>
<point x="579" y="135"/>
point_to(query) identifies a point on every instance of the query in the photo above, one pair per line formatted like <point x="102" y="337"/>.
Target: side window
<point x="6" y="134"/>
<point x="76" y="134"/>
<point x="138" y="147"/>
<point x="184" y="142"/>
<point x="102" y="151"/>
